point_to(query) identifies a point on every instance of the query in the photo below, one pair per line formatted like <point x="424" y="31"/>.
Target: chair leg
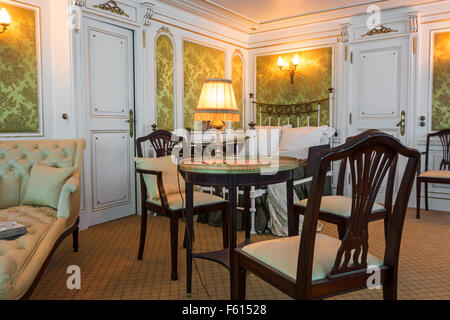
<point x="174" y="246"/>
<point x="75" y="238"/>
<point x="143" y="234"/>
<point x="426" y="196"/>
<point x="225" y="231"/>
<point x="342" y="227"/>
<point x="241" y="279"/>
<point x="390" y="287"/>
<point x="185" y="238"/>
<point x="418" y="199"/>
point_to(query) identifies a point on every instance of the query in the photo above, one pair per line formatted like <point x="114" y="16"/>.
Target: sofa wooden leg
<point x="75" y="238"/>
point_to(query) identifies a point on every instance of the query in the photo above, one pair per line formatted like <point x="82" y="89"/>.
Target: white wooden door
<point x="379" y="88"/>
<point x="109" y="100"/>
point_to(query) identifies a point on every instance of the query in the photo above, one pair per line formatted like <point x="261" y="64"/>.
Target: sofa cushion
<point x="45" y="184"/>
<point x="17" y="158"/>
<point x="15" y="255"/>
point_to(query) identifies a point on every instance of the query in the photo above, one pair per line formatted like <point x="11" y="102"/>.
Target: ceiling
<point x="253" y="16"/>
<point x="265" y="11"/>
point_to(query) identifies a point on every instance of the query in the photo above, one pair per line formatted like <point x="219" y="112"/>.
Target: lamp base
<point x="218" y="125"/>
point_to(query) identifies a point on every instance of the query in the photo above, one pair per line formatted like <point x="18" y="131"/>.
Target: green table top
<point x="241" y="165"/>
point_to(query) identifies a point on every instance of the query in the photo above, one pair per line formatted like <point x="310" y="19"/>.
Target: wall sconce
<point x="289" y="69"/>
<point x="5" y="20"/>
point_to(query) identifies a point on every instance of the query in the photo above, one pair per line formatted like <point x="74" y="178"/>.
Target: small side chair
<point x="317" y="266"/>
<point x="434" y="176"/>
<point x="337" y="209"/>
<point x="171" y="204"/>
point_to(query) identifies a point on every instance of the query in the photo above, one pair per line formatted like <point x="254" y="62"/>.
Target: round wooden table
<point x="233" y="173"/>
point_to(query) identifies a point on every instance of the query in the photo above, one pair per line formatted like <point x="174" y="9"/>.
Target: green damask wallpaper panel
<point x="19" y="102"/>
<point x="200" y="63"/>
<point x="165" y="83"/>
<point x="312" y="80"/>
<point x="441" y="82"/>
<point x="238" y="82"/>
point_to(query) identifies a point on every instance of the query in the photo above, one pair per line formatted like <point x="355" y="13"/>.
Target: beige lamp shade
<point x="217" y="102"/>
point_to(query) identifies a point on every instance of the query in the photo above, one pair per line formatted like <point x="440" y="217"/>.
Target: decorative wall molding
<point x="113" y="7"/>
<point x="344" y="33"/>
<point x="237" y="52"/>
<point x="378" y="30"/>
<point x="147" y="17"/>
<point x="79" y="3"/>
<point x="164" y="29"/>
<point x="413" y="24"/>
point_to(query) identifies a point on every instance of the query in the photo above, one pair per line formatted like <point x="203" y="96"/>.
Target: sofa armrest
<point x="69" y="199"/>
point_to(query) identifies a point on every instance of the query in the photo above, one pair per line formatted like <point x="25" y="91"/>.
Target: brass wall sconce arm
<point x="5" y="20"/>
<point x="290" y="69"/>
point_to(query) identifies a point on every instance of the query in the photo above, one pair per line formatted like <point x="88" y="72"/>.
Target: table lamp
<point x="217" y="103"/>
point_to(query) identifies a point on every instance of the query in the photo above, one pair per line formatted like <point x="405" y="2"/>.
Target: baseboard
<point x="434" y="203"/>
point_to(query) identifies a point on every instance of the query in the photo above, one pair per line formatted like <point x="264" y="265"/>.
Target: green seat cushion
<point x="177" y="202"/>
<point x="282" y="255"/>
<point x="45" y="184"/>
<point x="338" y="205"/>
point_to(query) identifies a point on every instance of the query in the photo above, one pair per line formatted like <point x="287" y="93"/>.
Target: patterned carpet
<point x="110" y="270"/>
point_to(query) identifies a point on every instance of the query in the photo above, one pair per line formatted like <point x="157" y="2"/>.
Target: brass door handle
<point x="131" y="122"/>
<point x="402" y="123"/>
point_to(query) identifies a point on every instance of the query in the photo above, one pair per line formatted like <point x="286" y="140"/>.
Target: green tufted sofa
<point x="22" y="261"/>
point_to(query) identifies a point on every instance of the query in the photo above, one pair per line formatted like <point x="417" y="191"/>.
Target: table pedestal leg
<point x="253" y="209"/>
<point x="190" y="230"/>
<point x="232" y="229"/>
<point x="247" y="212"/>
<point x="292" y="217"/>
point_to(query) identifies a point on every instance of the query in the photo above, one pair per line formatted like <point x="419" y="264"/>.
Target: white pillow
<point x="267" y="140"/>
<point x="295" y="142"/>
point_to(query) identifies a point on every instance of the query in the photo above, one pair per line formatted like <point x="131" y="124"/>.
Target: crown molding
<point x="226" y="16"/>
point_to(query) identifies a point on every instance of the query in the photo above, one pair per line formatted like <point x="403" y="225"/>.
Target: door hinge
<point x="350" y="118"/>
<point x="351" y="57"/>
<point x="346" y="54"/>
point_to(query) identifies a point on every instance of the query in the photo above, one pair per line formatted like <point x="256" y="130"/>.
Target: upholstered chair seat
<point x="178" y="202"/>
<point x="282" y="255"/>
<point x="436" y="174"/>
<point x="338" y="205"/>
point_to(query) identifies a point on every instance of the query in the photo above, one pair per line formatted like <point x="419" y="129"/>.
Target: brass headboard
<point x="297" y="110"/>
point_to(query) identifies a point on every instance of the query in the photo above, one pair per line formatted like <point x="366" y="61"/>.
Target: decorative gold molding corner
<point x="237" y="52"/>
<point x="113" y="7"/>
<point x="164" y="29"/>
<point x="413" y="24"/>
<point x="147" y="17"/>
<point x="379" y="30"/>
<point x="344" y="33"/>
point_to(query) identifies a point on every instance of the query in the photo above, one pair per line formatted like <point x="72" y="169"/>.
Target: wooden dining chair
<point x="336" y="209"/>
<point x="434" y="176"/>
<point x="315" y="266"/>
<point x="171" y="204"/>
